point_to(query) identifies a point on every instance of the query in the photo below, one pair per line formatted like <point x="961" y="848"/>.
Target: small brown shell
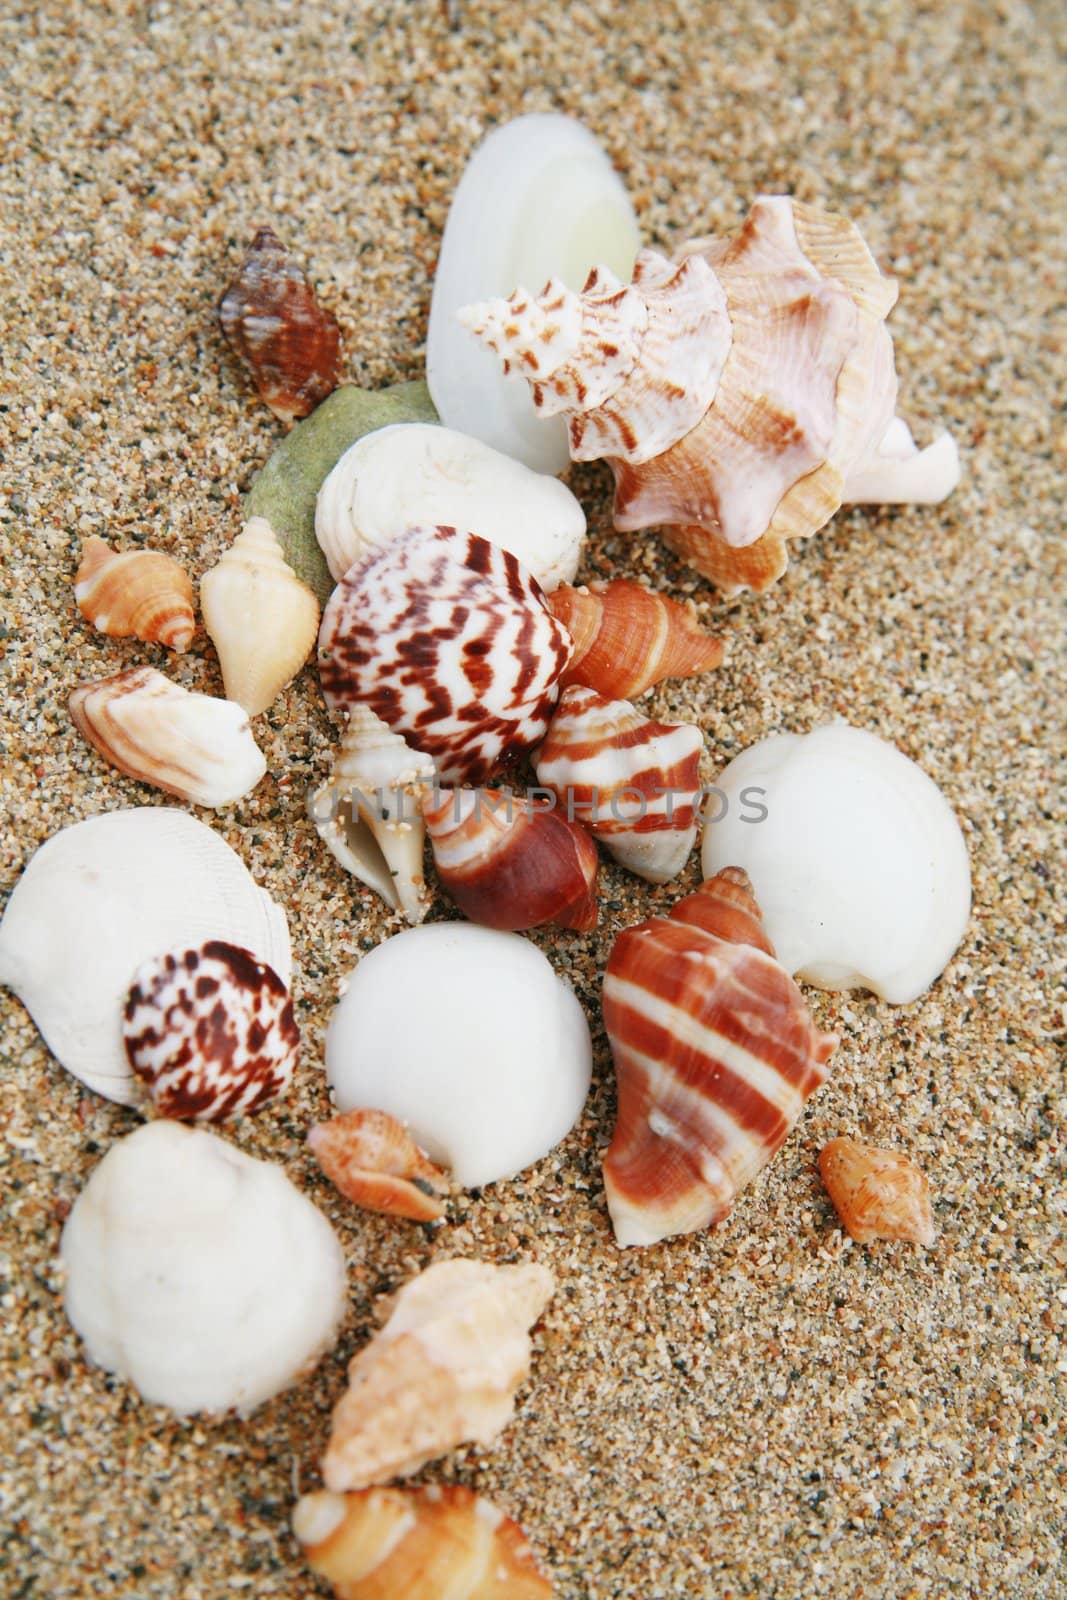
<point x="210" y="1032"/>
<point x="135" y="594"/>
<point x="272" y="318"/>
<point x="373" y="1160"/>
<point x="510" y="863"/>
<point x="878" y="1194"/>
<point x="417" y="1543"/>
<point x="627" y="638"/>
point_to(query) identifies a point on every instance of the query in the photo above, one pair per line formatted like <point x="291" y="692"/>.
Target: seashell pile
<point x="740" y="394"/>
<point x="448" y="640"/>
<point x="273" y="321"/>
<point x="443" y="1370"/>
<point x="423" y="1543"/>
<point x="135" y="594"/>
<point x="190" y="745"/>
<point x="210" y="1032"/>
<point x="715" y="1054"/>
<point x="878" y="1194"/>
<point x="373" y="1160"/>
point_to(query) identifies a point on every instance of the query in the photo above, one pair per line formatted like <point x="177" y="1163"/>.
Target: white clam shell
<point x="538" y="199"/>
<point x="859" y="866"/>
<point x="489" y="1069"/>
<point x="414" y="474"/>
<point x="199" y="1274"/>
<point x="103" y="896"/>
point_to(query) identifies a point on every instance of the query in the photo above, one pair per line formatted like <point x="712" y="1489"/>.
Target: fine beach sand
<point x="765" y="1411"/>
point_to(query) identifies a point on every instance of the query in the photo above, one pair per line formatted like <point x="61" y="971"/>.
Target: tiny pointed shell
<point x="726" y="907"/>
<point x="715" y="1055"/>
<point x="634" y="783"/>
<point x="627" y="638"/>
<point x="878" y="1194"/>
<point x="210" y="1031"/>
<point x="509" y="863"/>
<point x="191" y="745"/>
<point x="261" y="619"/>
<point x="420" y="1542"/>
<point x="273" y="321"/>
<point x="373" y="1160"/>
<point x="369" y="814"/>
<point x="135" y="594"/>
<point x="443" y="1370"/>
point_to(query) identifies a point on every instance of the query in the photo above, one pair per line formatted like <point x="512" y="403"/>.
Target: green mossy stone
<point x="285" y="488"/>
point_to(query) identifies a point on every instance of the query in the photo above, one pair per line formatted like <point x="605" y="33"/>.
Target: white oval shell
<point x="859" y="866"/>
<point x="203" y="1277"/>
<point x="101" y="897"/>
<point x="490" y="1069"/>
<point x="414" y="474"/>
<point x="538" y="199"/>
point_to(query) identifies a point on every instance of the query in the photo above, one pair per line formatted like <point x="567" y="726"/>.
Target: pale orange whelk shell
<point x="374" y="1162"/>
<point x="135" y="594"/>
<point x="628" y="638"/>
<point x="878" y="1194"/>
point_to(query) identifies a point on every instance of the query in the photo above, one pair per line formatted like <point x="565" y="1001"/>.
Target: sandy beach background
<point x="766" y="1411"/>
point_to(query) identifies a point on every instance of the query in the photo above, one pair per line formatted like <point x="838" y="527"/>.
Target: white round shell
<point x="859" y="865"/>
<point x="467" y="1035"/>
<point x="101" y="897"/>
<point x="202" y="1276"/>
<point x="538" y="199"/>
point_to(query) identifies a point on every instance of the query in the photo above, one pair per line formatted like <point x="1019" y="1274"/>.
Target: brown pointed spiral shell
<point x="878" y="1194"/>
<point x="627" y="638"/>
<point x="373" y="1160"/>
<point x="135" y="594"/>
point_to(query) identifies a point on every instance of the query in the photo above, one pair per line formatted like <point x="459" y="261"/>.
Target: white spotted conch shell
<point x="100" y="898"/>
<point x="191" y="745"/>
<point x="715" y="1054"/>
<point x="135" y="594"/>
<point x="259" y="616"/>
<point x="443" y="1371"/>
<point x="200" y="1275"/>
<point x="418" y="475"/>
<point x="423" y="1542"/>
<point x="858" y="861"/>
<point x="633" y="782"/>
<point x="740" y="395"/>
<point x="369" y="812"/>
<point x="448" y="639"/>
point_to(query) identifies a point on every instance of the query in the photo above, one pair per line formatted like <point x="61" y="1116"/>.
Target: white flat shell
<point x="859" y="864"/>
<point x="202" y="1276"/>
<point x="416" y="475"/>
<point x="538" y="199"/>
<point x="101" y="897"/>
<point x="468" y="1036"/>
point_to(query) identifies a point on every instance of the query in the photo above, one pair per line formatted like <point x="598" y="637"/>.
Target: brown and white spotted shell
<point x="448" y="639"/>
<point x="210" y="1032"/>
<point x="715" y="1054"/>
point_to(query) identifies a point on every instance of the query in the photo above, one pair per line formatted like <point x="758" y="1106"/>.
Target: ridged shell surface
<point x="715" y="1054"/>
<point x="135" y="594"/>
<point x="628" y="638"/>
<point x="448" y="639"/>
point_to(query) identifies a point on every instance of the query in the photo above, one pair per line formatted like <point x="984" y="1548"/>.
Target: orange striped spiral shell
<point x="135" y="594"/>
<point x="715" y="1054"/>
<point x="374" y="1162"/>
<point x="627" y="638"/>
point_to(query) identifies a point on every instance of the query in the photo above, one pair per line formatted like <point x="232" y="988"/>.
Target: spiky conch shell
<point x="371" y="1158"/>
<point x="259" y="616"/>
<point x="135" y="594"/>
<point x="443" y="1370"/>
<point x="448" y="639"/>
<point x="191" y="745"/>
<point x="369" y="811"/>
<point x="878" y="1194"/>
<point x="417" y="1543"/>
<point x="634" y="783"/>
<point x="715" y="1054"/>
<point x="511" y="863"/>
<point x="628" y="638"/>
<point x="785" y="387"/>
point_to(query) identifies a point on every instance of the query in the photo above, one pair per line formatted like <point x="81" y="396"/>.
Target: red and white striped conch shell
<point x="715" y="1054"/>
<point x="634" y="783"/>
<point x="448" y="640"/>
<point x="627" y="638"/>
<point x="755" y="414"/>
<point x="511" y="863"/>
